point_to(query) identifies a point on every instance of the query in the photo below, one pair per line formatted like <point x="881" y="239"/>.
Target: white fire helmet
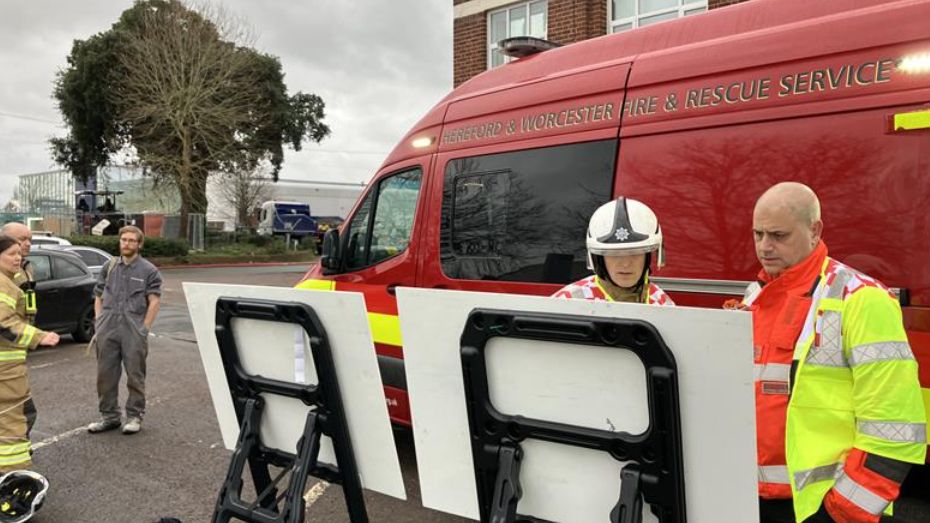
<point x="22" y="493"/>
<point x="624" y="227"/>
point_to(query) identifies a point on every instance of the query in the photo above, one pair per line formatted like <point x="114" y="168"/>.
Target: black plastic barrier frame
<point x="327" y="417"/>
<point x="654" y="471"/>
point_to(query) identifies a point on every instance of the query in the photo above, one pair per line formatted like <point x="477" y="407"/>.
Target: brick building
<point x="480" y="24"/>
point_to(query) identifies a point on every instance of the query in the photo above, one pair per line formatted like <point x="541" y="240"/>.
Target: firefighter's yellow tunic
<point x="16" y="337"/>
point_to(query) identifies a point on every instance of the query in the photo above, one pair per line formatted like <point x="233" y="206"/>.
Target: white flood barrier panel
<point x="589" y="386"/>
<point x="279" y="351"/>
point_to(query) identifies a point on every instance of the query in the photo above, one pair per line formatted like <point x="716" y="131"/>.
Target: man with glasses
<point x="128" y="296"/>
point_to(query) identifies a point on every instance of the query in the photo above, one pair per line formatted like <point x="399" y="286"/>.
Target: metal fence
<point x="79" y="223"/>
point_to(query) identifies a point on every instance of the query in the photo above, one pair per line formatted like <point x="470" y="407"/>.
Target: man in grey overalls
<point x="128" y="296"/>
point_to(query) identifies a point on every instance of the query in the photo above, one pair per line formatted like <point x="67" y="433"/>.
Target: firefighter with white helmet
<point x="623" y="237"/>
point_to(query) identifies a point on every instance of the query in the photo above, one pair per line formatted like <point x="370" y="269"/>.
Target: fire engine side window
<point x="381" y="228"/>
<point x="522" y="216"/>
<point x="397" y="202"/>
<point x="357" y="249"/>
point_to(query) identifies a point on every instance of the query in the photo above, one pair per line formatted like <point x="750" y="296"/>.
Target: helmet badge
<point x="622" y="234"/>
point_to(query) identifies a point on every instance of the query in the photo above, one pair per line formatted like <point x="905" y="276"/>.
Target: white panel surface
<point x="270" y="349"/>
<point x="713" y="351"/>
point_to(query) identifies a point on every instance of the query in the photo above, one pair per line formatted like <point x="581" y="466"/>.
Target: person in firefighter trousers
<point x="839" y="412"/>
<point x="16" y="337"/>
<point x="623" y="235"/>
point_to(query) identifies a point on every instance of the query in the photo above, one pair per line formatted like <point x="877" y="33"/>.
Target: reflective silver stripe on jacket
<point x="774" y="474"/>
<point x="803" y="478"/>
<point x="859" y="495"/>
<point x="829" y="352"/>
<point x="880" y="351"/>
<point x="772" y="372"/>
<point x="843" y="275"/>
<point x="896" y="431"/>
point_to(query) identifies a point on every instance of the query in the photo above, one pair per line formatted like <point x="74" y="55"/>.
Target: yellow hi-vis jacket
<point x="855" y="386"/>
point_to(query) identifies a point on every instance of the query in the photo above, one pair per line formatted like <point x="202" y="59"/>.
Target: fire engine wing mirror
<point x="331" y="257"/>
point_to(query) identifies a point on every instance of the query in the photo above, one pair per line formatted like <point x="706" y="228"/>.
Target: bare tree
<point x="242" y="191"/>
<point x="188" y="90"/>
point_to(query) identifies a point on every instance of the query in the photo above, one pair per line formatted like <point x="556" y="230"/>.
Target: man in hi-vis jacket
<point x="839" y="411"/>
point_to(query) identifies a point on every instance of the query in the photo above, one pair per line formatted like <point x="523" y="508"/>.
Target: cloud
<point x="378" y="65"/>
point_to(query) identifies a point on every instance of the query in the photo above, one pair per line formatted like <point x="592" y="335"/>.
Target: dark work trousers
<point x="906" y="510"/>
<point x="121" y="344"/>
<point x="776" y="511"/>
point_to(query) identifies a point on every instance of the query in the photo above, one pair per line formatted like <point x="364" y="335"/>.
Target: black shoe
<point x="103" y="426"/>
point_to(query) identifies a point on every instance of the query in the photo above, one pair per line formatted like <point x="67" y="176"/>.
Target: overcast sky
<point x="379" y="65"/>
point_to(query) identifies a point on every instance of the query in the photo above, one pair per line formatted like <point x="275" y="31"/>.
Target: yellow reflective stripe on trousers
<point x="895" y="431"/>
<point x="14" y="454"/>
<point x="803" y="478"/>
<point x="774" y="474"/>
<point x="14" y="448"/>
<point x="859" y="495"/>
<point x="12" y="355"/>
<point x="385" y="328"/>
<point x="25" y="338"/>
<point x="6" y="299"/>
<point x="317" y="285"/>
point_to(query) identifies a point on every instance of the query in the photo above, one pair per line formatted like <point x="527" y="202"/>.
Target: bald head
<point x="786" y="225"/>
<point x="798" y="198"/>
<point x="20" y="233"/>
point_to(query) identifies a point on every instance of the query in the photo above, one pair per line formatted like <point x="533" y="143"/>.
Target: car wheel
<point x="85" y="327"/>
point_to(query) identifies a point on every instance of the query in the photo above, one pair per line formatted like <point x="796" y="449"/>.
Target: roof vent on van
<point x="520" y="46"/>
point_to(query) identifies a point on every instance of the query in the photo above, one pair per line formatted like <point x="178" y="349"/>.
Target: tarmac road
<point x="176" y="465"/>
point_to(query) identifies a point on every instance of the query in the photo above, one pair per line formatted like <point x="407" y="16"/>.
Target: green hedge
<point x="152" y="247"/>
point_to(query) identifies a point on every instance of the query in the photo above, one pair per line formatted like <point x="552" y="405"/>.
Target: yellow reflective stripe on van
<point x="6" y="299"/>
<point x="13" y="355"/>
<point x="317" y="285"/>
<point x="912" y="121"/>
<point x="385" y="328"/>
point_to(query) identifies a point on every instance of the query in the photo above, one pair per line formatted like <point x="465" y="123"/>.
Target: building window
<point x="629" y="14"/>
<point x="526" y="19"/>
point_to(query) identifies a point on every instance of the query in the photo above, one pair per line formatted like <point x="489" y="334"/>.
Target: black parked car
<point x="64" y="293"/>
